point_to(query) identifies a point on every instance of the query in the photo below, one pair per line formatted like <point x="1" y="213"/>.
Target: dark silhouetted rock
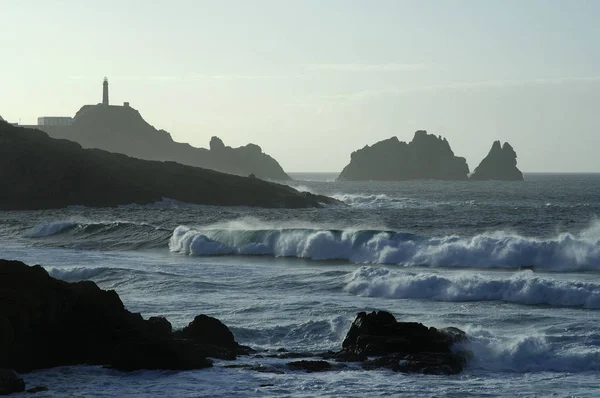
<point x="10" y="382"/>
<point x="211" y="337"/>
<point x="402" y="346"/>
<point x="499" y="164"/>
<point x="426" y="157"/>
<point x="122" y="129"/>
<point x="310" y="366"/>
<point x="47" y="322"/>
<point x="38" y="172"/>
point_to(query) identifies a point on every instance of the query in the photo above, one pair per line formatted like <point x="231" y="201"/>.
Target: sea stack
<point x="426" y="157"/>
<point x="499" y="164"/>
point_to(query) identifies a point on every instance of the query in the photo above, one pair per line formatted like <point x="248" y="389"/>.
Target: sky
<point x="311" y="81"/>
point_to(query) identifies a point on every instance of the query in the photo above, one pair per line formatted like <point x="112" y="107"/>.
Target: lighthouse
<point x="105" y="92"/>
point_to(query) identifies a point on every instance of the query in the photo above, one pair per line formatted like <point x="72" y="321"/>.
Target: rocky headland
<point x="426" y="157"/>
<point x="38" y="172"/>
<point x="122" y="129"/>
<point x="45" y="322"/>
<point x="499" y="164"/>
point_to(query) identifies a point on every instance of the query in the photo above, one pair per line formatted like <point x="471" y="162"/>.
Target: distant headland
<point x="122" y="129"/>
<point x="427" y="157"/>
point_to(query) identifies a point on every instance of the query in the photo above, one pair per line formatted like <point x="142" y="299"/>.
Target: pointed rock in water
<point x="426" y="157"/>
<point x="402" y="346"/>
<point x="499" y="164"/>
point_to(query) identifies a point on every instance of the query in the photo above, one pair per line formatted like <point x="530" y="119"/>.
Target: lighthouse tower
<point x="105" y="92"/>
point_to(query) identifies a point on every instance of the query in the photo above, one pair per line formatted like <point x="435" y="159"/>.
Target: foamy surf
<point x="565" y="252"/>
<point x="521" y="288"/>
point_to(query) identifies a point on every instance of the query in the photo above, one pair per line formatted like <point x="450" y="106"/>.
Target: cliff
<point x="38" y="172"/>
<point x="499" y="164"/>
<point x="122" y="129"/>
<point x="425" y="157"/>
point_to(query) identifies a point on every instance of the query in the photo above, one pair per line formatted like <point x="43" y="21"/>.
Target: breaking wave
<point x="50" y="228"/>
<point x="375" y="201"/>
<point x="565" y="252"/>
<point x="531" y="353"/>
<point x="522" y="288"/>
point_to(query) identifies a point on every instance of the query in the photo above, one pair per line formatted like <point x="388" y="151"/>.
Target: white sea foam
<point x="526" y="353"/>
<point x="74" y="274"/>
<point x="522" y="288"/>
<point x="374" y="201"/>
<point x="496" y="249"/>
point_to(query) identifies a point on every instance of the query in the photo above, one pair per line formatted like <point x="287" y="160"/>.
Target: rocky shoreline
<point x="45" y="322"/>
<point x="39" y="172"/>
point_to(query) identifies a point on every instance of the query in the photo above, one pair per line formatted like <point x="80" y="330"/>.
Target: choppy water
<point x="514" y="264"/>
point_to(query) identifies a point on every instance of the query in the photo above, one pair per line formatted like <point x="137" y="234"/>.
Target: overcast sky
<point x="310" y="81"/>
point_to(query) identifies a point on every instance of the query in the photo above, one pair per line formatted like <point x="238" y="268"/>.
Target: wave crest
<point x="565" y="252"/>
<point x="521" y="288"/>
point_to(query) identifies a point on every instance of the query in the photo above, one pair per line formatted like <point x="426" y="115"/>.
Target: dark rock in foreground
<point x="45" y="322"/>
<point x="10" y="382"/>
<point x="402" y="346"/>
<point x="38" y="172"/>
<point x="426" y="157"/>
<point x="499" y="164"/>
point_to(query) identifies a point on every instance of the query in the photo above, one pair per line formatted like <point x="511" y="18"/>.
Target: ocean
<point x="514" y="264"/>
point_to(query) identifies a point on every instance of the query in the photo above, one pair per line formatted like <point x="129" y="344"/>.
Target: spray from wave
<point x="526" y="353"/>
<point x="565" y="252"/>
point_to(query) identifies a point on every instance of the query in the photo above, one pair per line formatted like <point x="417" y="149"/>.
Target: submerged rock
<point x="46" y="322"/>
<point x="499" y="164"/>
<point x="310" y="366"/>
<point x="426" y="157"/>
<point x="402" y="346"/>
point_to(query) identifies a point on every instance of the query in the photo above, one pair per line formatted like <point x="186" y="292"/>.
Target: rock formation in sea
<point x="499" y="164"/>
<point x="45" y="322"/>
<point x="380" y="341"/>
<point x="426" y="157"/>
<point x="38" y="172"/>
<point x="377" y="340"/>
<point x="122" y="129"/>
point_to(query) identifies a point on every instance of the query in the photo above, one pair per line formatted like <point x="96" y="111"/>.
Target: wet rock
<point x="211" y="337"/>
<point x="310" y="366"/>
<point x="402" y="346"/>
<point x="10" y="382"/>
<point x="35" y="389"/>
<point x="257" y="368"/>
<point x="45" y="322"/>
